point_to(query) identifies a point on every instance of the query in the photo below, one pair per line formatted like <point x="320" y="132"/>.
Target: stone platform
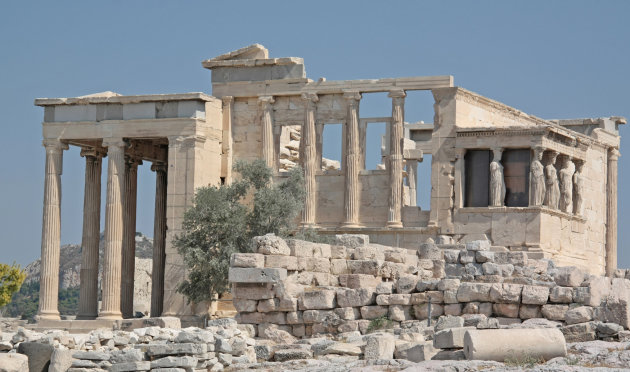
<point x="86" y="326"/>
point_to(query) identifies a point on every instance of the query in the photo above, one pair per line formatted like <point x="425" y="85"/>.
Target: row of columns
<point x="120" y="228"/>
<point x="353" y="155"/>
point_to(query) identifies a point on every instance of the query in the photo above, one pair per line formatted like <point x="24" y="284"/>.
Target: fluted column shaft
<point x="51" y="232"/>
<point x="226" y="145"/>
<point x="88" y="293"/>
<point x="266" y="104"/>
<point x="611" y="212"/>
<point x="353" y="158"/>
<point x="310" y="158"/>
<point x="395" y="166"/>
<point x="110" y="307"/>
<point x="412" y="179"/>
<point x="159" y="239"/>
<point x="129" y="236"/>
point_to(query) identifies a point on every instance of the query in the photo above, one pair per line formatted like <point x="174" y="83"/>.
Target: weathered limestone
<point x="353" y="156"/>
<point x="51" y="232"/>
<point x="310" y="159"/>
<point x="88" y="300"/>
<point x="503" y="344"/>
<point x="537" y="179"/>
<point x="129" y="235"/>
<point x="611" y="212"/>
<point x="497" y="182"/>
<point x="266" y="123"/>
<point x="395" y="166"/>
<point x="159" y="239"/>
<point x="112" y="266"/>
<point x="552" y="196"/>
<point x="566" y="186"/>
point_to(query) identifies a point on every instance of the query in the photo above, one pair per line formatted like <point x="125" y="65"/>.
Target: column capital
<point x="158" y="166"/>
<point x="132" y="160"/>
<point x="227" y="100"/>
<point x="54" y="144"/>
<point x="397" y="93"/>
<point x="95" y="152"/>
<point x="310" y="97"/>
<point x="352" y="96"/>
<point x="497" y="152"/>
<point x="114" y="142"/>
<point x="265" y="100"/>
<point x="459" y="153"/>
<point x="613" y="154"/>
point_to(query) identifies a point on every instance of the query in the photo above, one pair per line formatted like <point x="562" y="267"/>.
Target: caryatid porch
<point x="172" y="132"/>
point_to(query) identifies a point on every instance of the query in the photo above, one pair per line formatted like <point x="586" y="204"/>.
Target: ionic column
<point x="51" y="231"/>
<point x="353" y="158"/>
<point x="412" y="180"/>
<point x="266" y="104"/>
<point x="129" y="236"/>
<point x="611" y="213"/>
<point x="395" y="166"/>
<point x="88" y="293"/>
<point x="159" y="240"/>
<point x="110" y="307"/>
<point x="226" y="145"/>
<point x="310" y="158"/>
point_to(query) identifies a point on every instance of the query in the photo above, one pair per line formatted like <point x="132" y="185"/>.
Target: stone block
<point x="453" y="309"/>
<point x="277" y="304"/>
<point x="608" y="330"/>
<point x="318" y="299"/>
<point x="430" y="251"/>
<point x="256" y="275"/>
<point x="569" y="276"/>
<point x="315" y="316"/>
<point x="490" y="268"/>
<point x="399" y="313"/>
<point x="448" y="284"/>
<point x="478" y="245"/>
<point x="373" y="312"/>
<point x="473" y="269"/>
<point x="282" y="262"/>
<point x="13" y="362"/>
<point x="130" y="366"/>
<point x="243" y="305"/>
<point x="385" y="288"/>
<point x="314" y="264"/>
<point x="60" y="360"/>
<point x="274" y="318"/>
<point x="427" y="285"/>
<point x="469" y="292"/>
<point x="406" y="284"/>
<point x="157" y="350"/>
<point x="352" y="240"/>
<point x="38" y="355"/>
<point x="466" y="257"/>
<point x="247" y="260"/>
<point x="599" y="289"/>
<point x="484" y="256"/>
<point x="292" y="354"/>
<point x="355" y="297"/>
<point x="414" y="351"/>
<point x="178" y="362"/>
<point x="502" y="344"/>
<point x="270" y="244"/>
<point x="394" y="299"/>
<point x="454" y="270"/>
<point x="368" y="253"/>
<point x="421" y="311"/>
<point x="561" y="295"/>
<point x="448" y="321"/>
<point x="506" y="310"/>
<point x="294" y="317"/>
<point x="535" y="295"/>
<point x="529" y="311"/>
<point x="348" y="313"/>
<point x="581" y="332"/>
<point x="397" y="255"/>
<point x="369" y="267"/>
<point x="379" y="346"/>
<point x="451" y="256"/>
<point x="450" y="296"/>
<point x="580" y="314"/>
<point x="555" y="312"/>
<point x="355" y="281"/>
<point x="506" y="293"/>
<point x="450" y="338"/>
<point x="421" y="298"/>
<point x="617" y="310"/>
<point x="392" y="270"/>
<point x="339" y="266"/>
<point x="249" y="318"/>
<point x="338" y="252"/>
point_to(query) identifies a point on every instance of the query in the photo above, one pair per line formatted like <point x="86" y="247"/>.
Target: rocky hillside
<point x="70" y="261"/>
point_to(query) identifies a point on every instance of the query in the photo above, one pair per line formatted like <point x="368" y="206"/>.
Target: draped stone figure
<point x="552" y="195"/>
<point x="537" y="179"/>
<point x="578" y="189"/>
<point x="497" y="182"/>
<point x="566" y="186"/>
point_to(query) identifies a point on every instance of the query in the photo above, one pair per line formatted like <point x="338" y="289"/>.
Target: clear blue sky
<point x="553" y="59"/>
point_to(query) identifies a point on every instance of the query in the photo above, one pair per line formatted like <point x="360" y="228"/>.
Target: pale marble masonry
<point x="266" y="108"/>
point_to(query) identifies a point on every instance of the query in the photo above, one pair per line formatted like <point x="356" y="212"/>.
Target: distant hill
<point x="70" y="261"/>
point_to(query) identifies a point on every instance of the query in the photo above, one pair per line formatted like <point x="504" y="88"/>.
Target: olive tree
<point x="11" y="279"/>
<point x="224" y="219"/>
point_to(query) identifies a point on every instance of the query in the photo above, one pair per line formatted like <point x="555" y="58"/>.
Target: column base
<point x="350" y="225"/>
<point x="114" y="315"/>
<point x="86" y="316"/>
<point x="394" y="224"/>
<point x="48" y="315"/>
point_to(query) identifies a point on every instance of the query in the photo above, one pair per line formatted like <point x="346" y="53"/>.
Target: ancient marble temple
<point x="546" y="187"/>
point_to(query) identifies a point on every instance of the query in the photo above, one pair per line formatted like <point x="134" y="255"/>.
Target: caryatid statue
<point x="537" y="178"/>
<point x="566" y="186"/>
<point x="552" y="194"/>
<point x="497" y="182"/>
<point x="578" y="188"/>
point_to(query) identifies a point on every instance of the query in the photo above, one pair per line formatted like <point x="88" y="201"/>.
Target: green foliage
<point x="523" y="360"/>
<point x="24" y="303"/>
<point x="11" y="279"/>
<point x="220" y="223"/>
<point x="379" y="323"/>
